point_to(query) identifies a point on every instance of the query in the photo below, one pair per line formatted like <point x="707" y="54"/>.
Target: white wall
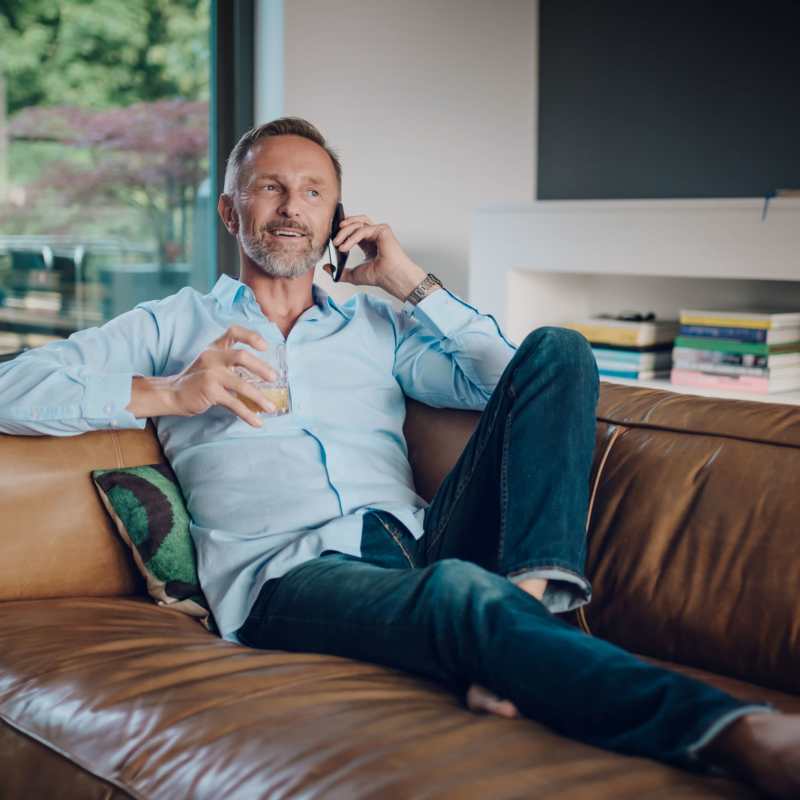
<point x="430" y="105"/>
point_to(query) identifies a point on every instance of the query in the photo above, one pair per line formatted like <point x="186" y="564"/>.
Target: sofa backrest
<point x="694" y="534"/>
<point x="56" y="539"/>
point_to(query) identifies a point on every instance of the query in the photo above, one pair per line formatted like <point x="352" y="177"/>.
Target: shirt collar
<point x="228" y="292"/>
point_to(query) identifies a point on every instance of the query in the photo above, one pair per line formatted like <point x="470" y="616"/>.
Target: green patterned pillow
<point x="147" y="507"/>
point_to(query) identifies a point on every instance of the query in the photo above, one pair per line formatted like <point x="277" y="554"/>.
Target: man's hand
<point x="386" y="266"/>
<point x="208" y="381"/>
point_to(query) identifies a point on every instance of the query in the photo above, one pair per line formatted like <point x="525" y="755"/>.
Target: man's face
<point x="286" y="199"/>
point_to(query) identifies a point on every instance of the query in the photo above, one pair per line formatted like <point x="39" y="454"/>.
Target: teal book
<point x="724" y="346"/>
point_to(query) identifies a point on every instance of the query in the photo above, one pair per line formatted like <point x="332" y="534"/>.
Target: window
<point x="105" y="198"/>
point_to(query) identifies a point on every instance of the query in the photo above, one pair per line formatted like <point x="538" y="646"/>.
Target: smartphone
<point x="341" y="257"/>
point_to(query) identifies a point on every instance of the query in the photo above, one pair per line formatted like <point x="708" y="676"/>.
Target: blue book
<point x="758" y="335"/>
<point x="640" y="374"/>
<point x="616" y="355"/>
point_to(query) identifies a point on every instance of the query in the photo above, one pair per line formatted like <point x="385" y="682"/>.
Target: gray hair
<point x="294" y="126"/>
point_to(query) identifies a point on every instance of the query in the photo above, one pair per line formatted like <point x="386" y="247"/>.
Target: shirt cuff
<point x="442" y="311"/>
<point x="106" y="398"/>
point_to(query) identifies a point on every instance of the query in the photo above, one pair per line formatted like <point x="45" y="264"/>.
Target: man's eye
<point x="313" y="192"/>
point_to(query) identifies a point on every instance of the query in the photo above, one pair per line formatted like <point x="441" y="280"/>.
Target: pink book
<point x="748" y="383"/>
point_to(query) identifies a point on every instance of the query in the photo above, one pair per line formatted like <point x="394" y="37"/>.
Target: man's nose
<point x="290" y="204"/>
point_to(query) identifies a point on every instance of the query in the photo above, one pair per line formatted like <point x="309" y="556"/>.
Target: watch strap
<point x="423" y="289"/>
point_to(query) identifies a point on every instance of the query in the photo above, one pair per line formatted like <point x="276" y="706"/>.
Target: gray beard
<point x="278" y="265"/>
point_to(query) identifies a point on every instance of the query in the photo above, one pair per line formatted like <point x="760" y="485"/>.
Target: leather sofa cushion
<point x="693" y="547"/>
<point x="143" y="702"/>
<point x="57" y="539"/>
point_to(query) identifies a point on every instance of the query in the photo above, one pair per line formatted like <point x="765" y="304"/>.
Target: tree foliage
<point x="100" y="53"/>
<point x="149" y="155"/>
<point x="119" y="90"/>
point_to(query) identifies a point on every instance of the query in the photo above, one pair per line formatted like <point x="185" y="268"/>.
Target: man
<point x="309" y="533"/>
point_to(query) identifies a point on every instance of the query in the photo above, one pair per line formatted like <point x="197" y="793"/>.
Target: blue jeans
<point x="445" y="606"/>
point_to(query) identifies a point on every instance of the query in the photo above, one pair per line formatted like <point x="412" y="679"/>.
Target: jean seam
<point x="501" y="539"/>
<point x="397" y="541"/>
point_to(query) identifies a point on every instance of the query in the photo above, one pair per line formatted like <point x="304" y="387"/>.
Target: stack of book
<point x="743" y="350"/>
<point x="638" y="350"/>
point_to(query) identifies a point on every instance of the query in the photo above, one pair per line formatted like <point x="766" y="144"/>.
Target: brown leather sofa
<point x="694" y="553"/>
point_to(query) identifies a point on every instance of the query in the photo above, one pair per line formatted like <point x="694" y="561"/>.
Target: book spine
<point x="618" y="373"/>
<point x="603" y="335"/>
<point x="610" y="360"/>
<point x="616" y="355"/>
<point x="685" y="377"/>
<point x="722" y="369"/>
<point x="643" y="374"/>
<point x="730" y="322"/>
<point x="702" y="357"/>
<point x="734" y="334"/>
<point x="700" y="343"/>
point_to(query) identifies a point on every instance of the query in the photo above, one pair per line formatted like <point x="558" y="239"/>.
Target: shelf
<point x="549" y="262"/>
<point x="697" y="241"/>
<point x="789" y="398"/>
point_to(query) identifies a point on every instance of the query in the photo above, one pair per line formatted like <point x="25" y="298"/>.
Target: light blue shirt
<point x="263" y="500"/>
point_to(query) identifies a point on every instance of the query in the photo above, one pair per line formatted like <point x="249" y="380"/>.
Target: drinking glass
<point x="277" y="391"/>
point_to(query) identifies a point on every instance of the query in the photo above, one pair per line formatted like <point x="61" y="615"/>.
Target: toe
<point x="481" y="699"/>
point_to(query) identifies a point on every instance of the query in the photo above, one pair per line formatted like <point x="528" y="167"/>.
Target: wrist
<point x="408" y="281"/>
<point x="427" y="286"/>
<point x="152" y="397"/>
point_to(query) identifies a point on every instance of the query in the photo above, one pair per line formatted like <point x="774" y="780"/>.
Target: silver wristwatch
<point x="423" y="289"/>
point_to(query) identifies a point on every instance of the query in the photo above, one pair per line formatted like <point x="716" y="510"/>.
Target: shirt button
<point x="108" y="408"/>
<point x="34" y="414"/>
<point x="114" y="423"/>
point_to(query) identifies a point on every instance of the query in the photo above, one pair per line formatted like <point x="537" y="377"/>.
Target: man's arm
<point x="109" y="377"/>
<point x="448" y="354"/>
<point x="82" y="383"/>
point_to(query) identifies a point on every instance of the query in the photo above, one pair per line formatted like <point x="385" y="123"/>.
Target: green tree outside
<point x="79" y="74"/>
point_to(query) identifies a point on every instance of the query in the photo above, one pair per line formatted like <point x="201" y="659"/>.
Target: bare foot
<point x="762" y="749"/>
<point x="534" y="587"/>
<point x="481" y="699"/>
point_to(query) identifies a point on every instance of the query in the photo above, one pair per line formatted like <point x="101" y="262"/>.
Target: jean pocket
<point x="386" y="542"/>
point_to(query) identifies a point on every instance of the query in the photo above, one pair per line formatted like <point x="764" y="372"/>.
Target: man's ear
<point x="228" y="215"/>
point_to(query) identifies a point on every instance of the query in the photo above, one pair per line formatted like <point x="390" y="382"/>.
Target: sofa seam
<point x="117" y="449"/>
<point x="72" y="759"/>
<point x="615" y="434"/>
<point x="630" y="424"/>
